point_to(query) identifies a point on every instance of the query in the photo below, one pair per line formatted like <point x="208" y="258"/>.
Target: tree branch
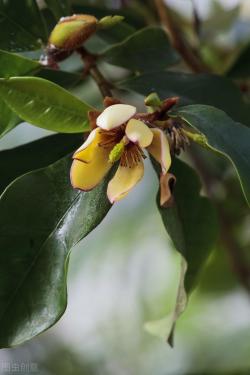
<point x="190" y="56"/>
<point x="92" y="69"/>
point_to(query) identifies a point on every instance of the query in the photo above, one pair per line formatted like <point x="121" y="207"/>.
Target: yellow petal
<point x="87" y="151"/>
<point x="124" y="180"/>
<point x="87" y="142"/>
<point x="160" y="150"/>
<point x="139" y="133"/>
<point x="85" y="176"/>
<point x="115" y="115"/>
<point x="167" y="182"/>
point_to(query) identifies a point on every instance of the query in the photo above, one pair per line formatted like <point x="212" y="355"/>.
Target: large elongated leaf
<point x="148" y="49"/>
<point x="35" y="155"/>
<point x="12" y="64"/>
<point x="60" y="8"/>
<point x="25" y="13"/>
<point x="191" y="224"/>
<point x="8" y="119"/>
<point x="199" y="89"/>
<point x="222" y="135"/>
<point x="21" y="25"/>
<point x="35" y="242"/>
<point x="44" y="104"/>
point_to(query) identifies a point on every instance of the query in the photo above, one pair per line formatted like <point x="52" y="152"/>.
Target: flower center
<point x="132" y="155"/>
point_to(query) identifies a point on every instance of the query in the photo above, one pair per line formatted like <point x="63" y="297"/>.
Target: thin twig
<point x="92" y="69"/>
<point x="190" y="56"/>
<point x="101" y="82"/>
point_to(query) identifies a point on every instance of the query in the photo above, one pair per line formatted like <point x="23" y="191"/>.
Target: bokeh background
<point x="125" y="273"/>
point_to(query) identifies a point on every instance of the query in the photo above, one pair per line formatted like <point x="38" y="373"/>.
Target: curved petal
<point x="124" y="180"/>
<point x="139" y="133"/>
<point x="167" y="183"/>
<point x="85" y="176"/>
<point x="160" y="150"/>
<point x="115" y="115"/>
<point x="87" y="142"/>
<point x="87" y="151"/>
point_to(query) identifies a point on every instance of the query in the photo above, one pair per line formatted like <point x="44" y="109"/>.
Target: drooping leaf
<point x="35" y="243"/>
<point x="192" y="225"/>
<point x="241" y="67"/>
<point x="199" y="89"/>
<point x="222" y="135"/>
<point x="148" y="49"/>
<point x="12" y="64"/>
<point x="60" y="8"/>
<point x="44" y="104"/>
<point x="35" y="155"/>
<point x="8" y="119"/>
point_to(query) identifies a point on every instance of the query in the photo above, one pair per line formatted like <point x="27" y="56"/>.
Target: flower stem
<point x="92" y="69"/>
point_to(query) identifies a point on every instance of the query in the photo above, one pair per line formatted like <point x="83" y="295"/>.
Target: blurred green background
<point x="125" y="274"/>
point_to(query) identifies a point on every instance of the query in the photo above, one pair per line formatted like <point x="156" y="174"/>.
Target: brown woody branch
<point x="189" y="55"/>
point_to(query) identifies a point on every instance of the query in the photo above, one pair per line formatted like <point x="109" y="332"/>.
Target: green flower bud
<point x="116" y="152"/>
<point x="153" y="100"/>
<point x="109" y="21"/>
<point x="71" y="32"/>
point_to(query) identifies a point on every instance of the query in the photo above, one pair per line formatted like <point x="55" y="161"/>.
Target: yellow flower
<point x="118" y="136"/>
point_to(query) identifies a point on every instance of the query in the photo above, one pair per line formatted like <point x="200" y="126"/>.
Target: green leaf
<point x="22" y="25"/>
<point x="20" y="160"/>
<point x="62" y="78"/>
<point x="222" y="135"/>
<point x="8" y="119"/>
<point x="35" y="243"/>
<point x="44" y="104"/>
<point x="148" y="49"/>
<point x="241" y="67"/>
<point x="193" y="89"/>
<point x="60" y="8"/>
<point x="12" y="64"/>
<point x="192" y="225"/>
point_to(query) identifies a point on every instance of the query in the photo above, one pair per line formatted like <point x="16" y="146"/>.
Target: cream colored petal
<point x="85" y="176"/>
<point x="139" y="133"/>
<point x="160" y="150"/>
<point x="88" y="141"/>
<point x="115" y="115"/>
<point x="123" y="181"/>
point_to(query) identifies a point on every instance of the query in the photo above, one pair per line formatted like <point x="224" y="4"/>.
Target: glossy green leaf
<point x="44" y="104"/>
<point x="241" y="67"/>
<point x="25" y="13"/>
<point x="60" y="8"/>
<point x="116" y="34"/>
<point x="8" y="119"/>
<point x="148" y="49"/>
<point x="22" y="25"/>
<point x="222" y="135"/>
<point x="12" y="64"/>
<point x="199" y="89"/>
<point x="35" y="243"/>
<point x="62" y="78"/>
<point x="20" y="160"/>
<point x="192" y="225"/>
